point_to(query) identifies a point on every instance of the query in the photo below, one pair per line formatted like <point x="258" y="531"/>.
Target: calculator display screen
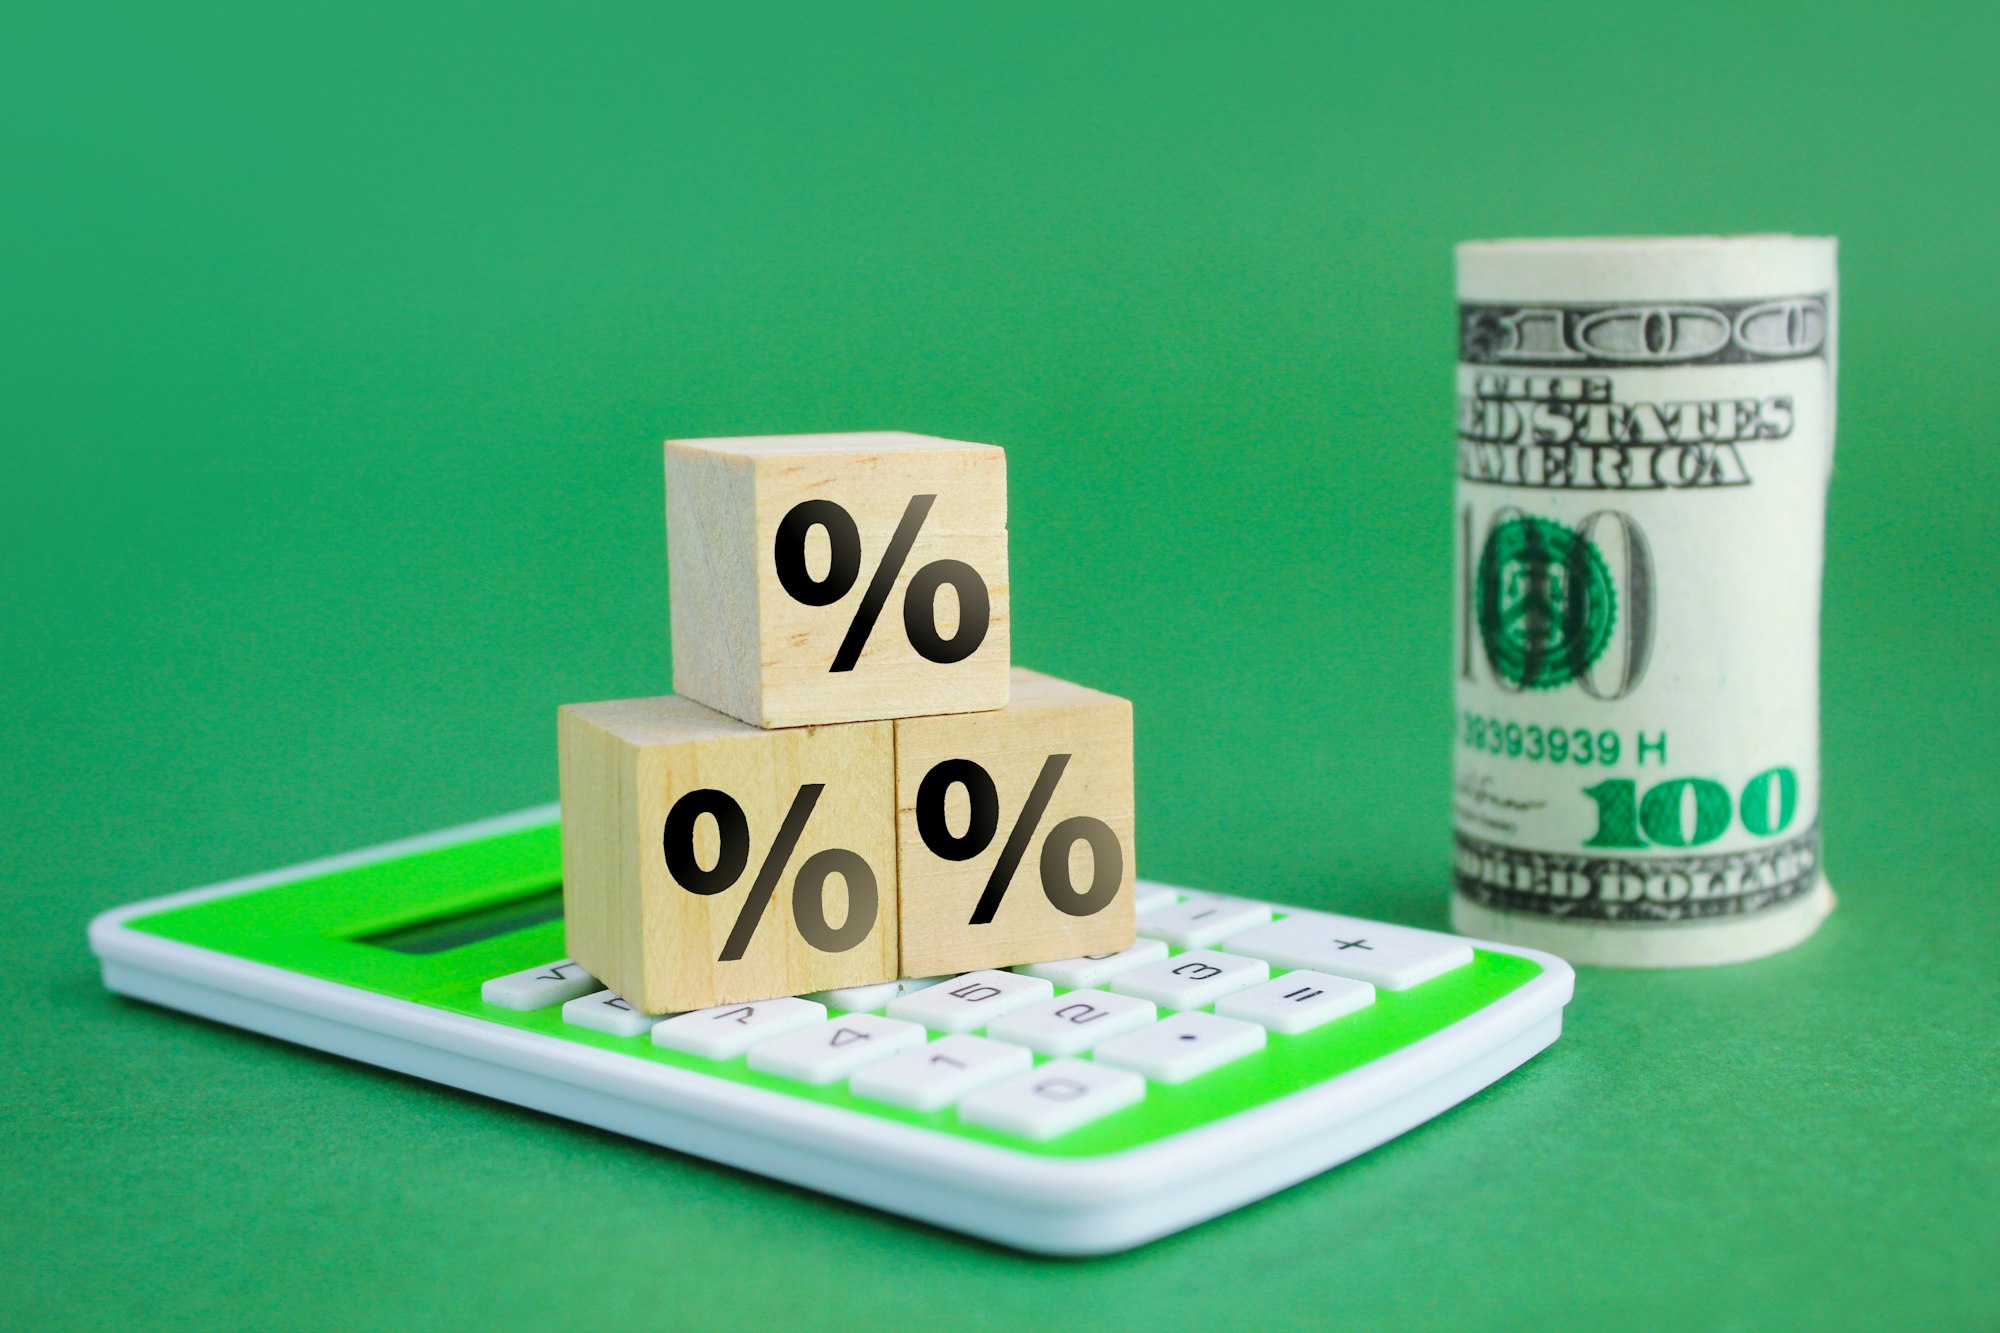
<point x="458" y="929"/>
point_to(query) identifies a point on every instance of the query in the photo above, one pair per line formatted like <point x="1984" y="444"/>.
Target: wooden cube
<point x="1014" y="830"/>
<point x="838" y="578"/>
<point x="707" y="862"/>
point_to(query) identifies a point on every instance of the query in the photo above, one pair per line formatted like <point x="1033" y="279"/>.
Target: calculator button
<point x="1298" y="1001"/>
<point x="1181" y="1046"/>
<point x="605" y="1011"/>
<point x="1053" y="1099"/>
<point x="935" y="1075"/>
<point x="970" y="1001"/>
<point x="1072" y="1023"/>
<point x="1391" y="957"/>
<point x="1147" y="897"/>
<point x="828" y="1052"/>
<point x="540" y="987"/>
<point x="1201" y="921"/>
<point x="728" y="1030"/>
<point x="1192" y="979"/>
<point x="867" y="999"/>
<point x="1097" y="968"/>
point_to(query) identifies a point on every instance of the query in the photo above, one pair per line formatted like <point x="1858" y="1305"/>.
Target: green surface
<point x="338" y="344"/>
<point x="330" y="927"/>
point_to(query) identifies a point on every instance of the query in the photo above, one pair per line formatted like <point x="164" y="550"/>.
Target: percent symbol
<point x="844" y="568"/>
<point x="1107" y="858"/>
<point x="733" y="857"/>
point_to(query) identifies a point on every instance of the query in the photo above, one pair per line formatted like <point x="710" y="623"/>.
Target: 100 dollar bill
<point x="1645" y="432"/>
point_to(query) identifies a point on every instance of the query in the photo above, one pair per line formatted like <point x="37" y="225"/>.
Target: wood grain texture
<point x="623" y="766"/>
<point x="1044" y="717"/>
<point x="742" y="645"/>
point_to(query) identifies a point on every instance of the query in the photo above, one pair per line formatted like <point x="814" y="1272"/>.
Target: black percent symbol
<point x="1107" y="858"/>
<point x="919" y="599"/>
<point x="733" y="857"/>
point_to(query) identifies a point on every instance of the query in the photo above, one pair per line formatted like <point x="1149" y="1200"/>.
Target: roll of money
<point x="1645" y="435"/>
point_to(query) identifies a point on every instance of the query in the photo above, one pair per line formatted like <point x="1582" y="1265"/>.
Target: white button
<point x="933" y="1076"/>
<point x="1072" y="1023"/>
<point x="1180" y="1046"/>
<point x="1192" y="979"/>
<point x="540" y="987"/>
<point x="1097" y="968"/>
<point x="1053" y="1099"/>
<point x="1201" y="921"/>
<point x="1148" y="897"/>
<point x="830" y="1051"/>
<point x="867" y="999"/>
<point x="604" y="1011"/>
<point x="728" y="1030"/>
<point x="1392" y="957"/>
<point x="1298" y="1001"/>
<point x="971" y="1001"/>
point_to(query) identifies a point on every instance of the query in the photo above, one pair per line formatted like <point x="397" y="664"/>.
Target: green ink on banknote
<point x="1546" y="602"/>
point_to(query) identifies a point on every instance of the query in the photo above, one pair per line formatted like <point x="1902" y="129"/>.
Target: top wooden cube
<point x="838" y="578"/>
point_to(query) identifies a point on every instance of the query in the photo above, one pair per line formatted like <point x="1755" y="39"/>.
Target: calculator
<point x="1076" y="1107"/>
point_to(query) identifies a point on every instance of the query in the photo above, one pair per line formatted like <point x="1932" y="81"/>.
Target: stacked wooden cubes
<point x="852" y="782"/>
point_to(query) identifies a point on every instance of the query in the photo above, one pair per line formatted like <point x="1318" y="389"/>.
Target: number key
<point x="932" y="1077"/>
<point x="1056" y="1098"/>
<point x="1193" y="979"/>
<point x="1072" y="1023"/>
<point x="1096" y="969"/>
<point x="828" y="1052"/>
<point x="970" y="1001"/>
<point x="539" y="987"/>
<point x="728" y="1030"/>
<point x="607" y="1012"/>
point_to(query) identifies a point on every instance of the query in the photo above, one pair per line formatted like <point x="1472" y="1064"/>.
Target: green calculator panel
<point x="1075" y="1107"/>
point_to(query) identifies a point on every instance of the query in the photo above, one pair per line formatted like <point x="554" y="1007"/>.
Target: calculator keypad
<point x="911" y="1043"/>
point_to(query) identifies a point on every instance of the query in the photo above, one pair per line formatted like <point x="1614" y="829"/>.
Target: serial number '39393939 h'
<point x="1645" y="435"/>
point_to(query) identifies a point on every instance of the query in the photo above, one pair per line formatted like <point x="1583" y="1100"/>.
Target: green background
<point x="338" y="345"/>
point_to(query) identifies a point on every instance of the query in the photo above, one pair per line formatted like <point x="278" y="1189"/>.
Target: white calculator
<point x="1075" y="1107"/>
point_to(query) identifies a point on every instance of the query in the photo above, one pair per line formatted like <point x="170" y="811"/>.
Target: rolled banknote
<point x="1645" y="433"/>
